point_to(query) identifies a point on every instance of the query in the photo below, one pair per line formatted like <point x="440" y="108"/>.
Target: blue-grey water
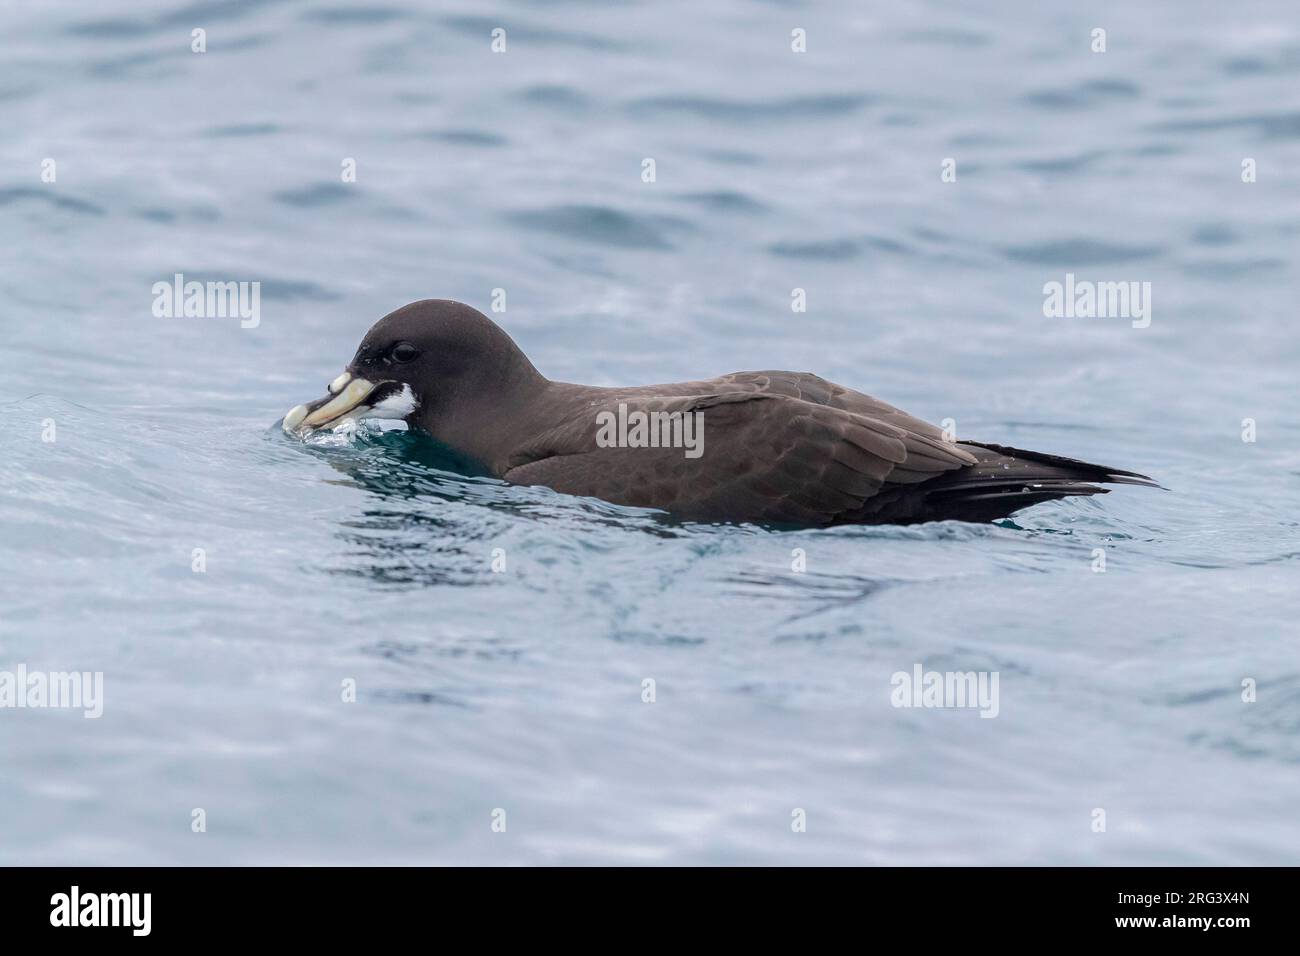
<point x="129" y="440"/>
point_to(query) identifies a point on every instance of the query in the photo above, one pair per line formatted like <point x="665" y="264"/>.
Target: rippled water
<point x="371" y="561"/>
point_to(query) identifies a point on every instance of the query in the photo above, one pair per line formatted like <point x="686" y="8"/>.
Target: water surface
<point x="371" y="561"/>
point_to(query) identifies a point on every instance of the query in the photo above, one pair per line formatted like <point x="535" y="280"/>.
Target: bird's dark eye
<point x="404" y="352"/>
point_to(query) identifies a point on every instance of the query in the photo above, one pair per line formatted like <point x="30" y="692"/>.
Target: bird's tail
<point x="1004" y="480"/>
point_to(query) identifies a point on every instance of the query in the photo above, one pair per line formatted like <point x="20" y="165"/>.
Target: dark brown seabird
<point x="786" y="448"/>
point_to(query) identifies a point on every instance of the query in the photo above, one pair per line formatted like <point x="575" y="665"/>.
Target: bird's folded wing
<point x="763" y="457"/>
<point x="814" y="389"/>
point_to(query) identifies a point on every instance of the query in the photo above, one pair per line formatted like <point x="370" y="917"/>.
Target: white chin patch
<point x="396" y="406"/>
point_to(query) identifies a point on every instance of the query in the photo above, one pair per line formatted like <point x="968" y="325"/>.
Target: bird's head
<point x="430" y="363"/>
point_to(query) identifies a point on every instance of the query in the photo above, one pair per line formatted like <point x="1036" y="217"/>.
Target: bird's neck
<point x="498" y="416"/>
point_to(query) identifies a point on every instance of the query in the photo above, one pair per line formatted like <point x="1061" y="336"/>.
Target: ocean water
<point x="519" y="696"/>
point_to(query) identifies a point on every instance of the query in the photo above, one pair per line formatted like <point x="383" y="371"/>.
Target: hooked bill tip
<point x="293" y="418"/>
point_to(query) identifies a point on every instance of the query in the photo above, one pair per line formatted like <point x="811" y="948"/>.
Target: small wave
<point x="602" y="224"/>
<point x="836" y="250"/>
<point x="555" y="95"/>
<point x="318" y="194"/>
<point x="17" y="194"/>
<point x="189" y="15"/>
<point x="516" y="32"/>
<point x="1080" y="252"/>
<point x="829" y="250"/>
<point x="1232" y="268"/>
<point x="354" y="16"/>
<point x="1062" y="164"/>
<point x="1266" y="125"/>
<point x="464" y="137"/>
<point x="727" y="201"/>
<point x="739" y="111"/>
<point x="947" y="36"/>
<point x="1093" y="93"/>
<point x="238" y="130"/>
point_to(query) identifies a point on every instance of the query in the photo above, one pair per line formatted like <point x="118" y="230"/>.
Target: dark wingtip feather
<point x="1085" y="470"/>
<point x="1132" y="478"/>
